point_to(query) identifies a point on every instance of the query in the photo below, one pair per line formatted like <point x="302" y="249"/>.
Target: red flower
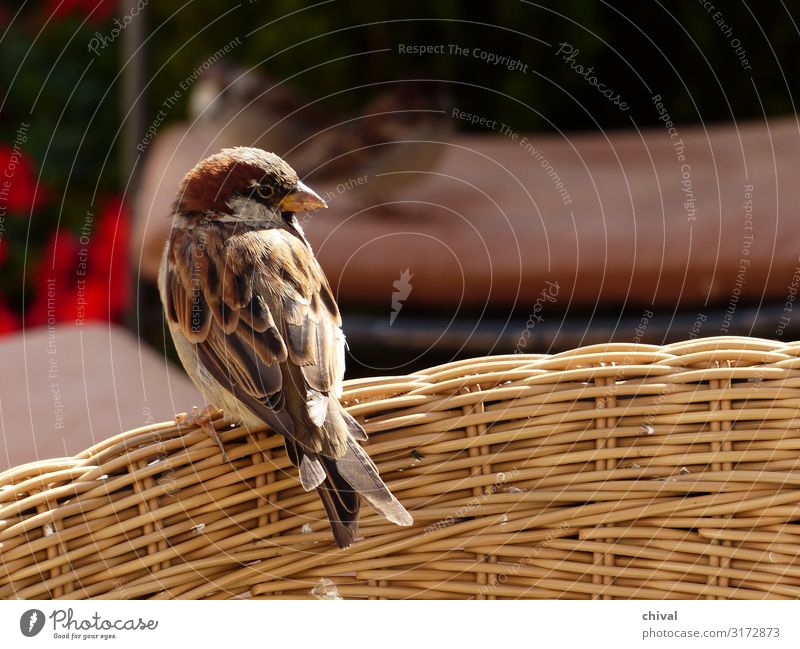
<point x="9" y="321"/>
<point x="19" y="192"/>
<point x="110" y="253"/>
<point x="59" y="255"/>
<point x="52" y="286"/>
<point x="98" y="11"/>
<point x="86" y="277"/>
<point x="96" y="304"/>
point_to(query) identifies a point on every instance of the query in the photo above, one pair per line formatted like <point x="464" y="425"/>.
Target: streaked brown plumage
<point x="257" y="327"/>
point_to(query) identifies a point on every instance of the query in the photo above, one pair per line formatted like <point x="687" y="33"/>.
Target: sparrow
<point x="257" y="328"/>
<point x="394" y="142"/>
<point x="400" y="130"/>
<point x="241" y="105"/>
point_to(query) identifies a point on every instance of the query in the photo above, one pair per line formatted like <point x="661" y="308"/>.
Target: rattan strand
<point x="611" y="471"/>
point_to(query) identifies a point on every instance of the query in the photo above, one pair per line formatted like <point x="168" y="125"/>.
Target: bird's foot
<point x="203" y="417"/>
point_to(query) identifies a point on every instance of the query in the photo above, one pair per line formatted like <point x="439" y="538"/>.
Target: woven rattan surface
<point x="614" y="471"/>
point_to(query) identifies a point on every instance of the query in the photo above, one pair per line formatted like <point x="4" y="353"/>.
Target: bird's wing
<point x="263" y="320"/>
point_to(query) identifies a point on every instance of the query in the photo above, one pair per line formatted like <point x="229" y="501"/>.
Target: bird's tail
<point x="339" y="482"/>
<point x="359" y="471"/>
<point x="341" y="505"/>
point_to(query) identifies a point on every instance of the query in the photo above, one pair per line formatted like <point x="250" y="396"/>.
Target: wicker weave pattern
<point x="614" y="471"/>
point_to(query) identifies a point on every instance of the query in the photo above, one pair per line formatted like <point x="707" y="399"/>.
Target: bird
<point x="257" y="328"/>
<point x="395" y="140"/>
<point x="240" y="105"/>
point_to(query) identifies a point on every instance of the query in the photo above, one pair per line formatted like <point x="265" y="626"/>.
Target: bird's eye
<point x="266" y="192"/>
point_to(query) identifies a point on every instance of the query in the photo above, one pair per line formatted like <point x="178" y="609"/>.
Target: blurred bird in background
<point x="248" y="108"/>
<point x="395" y="140"/>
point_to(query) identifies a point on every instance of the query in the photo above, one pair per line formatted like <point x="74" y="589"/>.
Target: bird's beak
<point x="302" y="199"/>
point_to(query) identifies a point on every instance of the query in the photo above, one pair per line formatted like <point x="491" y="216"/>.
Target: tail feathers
<point x="353" y="427"/>
<point x="311" y="472"/>
<point x="339" y="482"/>
<point x="338" y="425"/>
<point x="339" y="499"/>
<point x="361" y="474"/>
<point x="344" y="494"/>
<point x="342" y="513"/>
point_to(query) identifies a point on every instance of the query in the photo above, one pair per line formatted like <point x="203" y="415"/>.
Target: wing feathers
<point x="311" y="473"/>
<point x="268" y="345"/>
<point x="192" y="313"/>
<point x="237" y="286"/>
<point x="354" y="428"/>
<point x="257" y="315"/>
<point x="360" y="473"/>
<point x="265" y="325"/>
<point x="302" y="342"/>
<point x="317" y="404"/>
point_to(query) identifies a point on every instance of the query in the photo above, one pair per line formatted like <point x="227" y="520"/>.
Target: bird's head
<point x="246" y="185"/>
